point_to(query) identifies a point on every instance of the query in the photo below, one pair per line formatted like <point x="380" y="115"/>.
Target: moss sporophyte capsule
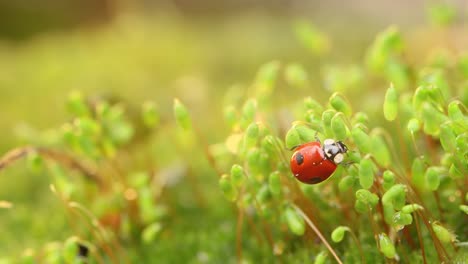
<point x="313" y="162"/>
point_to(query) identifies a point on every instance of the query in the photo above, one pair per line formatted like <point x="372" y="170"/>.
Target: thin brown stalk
<point x="60" y="157"/>
<point x="318" y="233"/>
<point x="240" y="221"/>
<point x="421" y="242"/>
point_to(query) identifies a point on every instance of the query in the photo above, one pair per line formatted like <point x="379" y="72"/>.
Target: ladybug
<point x="313" y="162"/>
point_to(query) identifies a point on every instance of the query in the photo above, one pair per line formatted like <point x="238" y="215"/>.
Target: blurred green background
<point x="158" y="50"/>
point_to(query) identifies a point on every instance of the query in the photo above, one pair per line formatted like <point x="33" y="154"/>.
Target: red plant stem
<point x="421" y="242"/>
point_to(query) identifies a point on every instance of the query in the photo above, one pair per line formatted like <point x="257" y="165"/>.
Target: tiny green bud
<point x="182" y="115"/>
<point x="338" y="234"/>
<point x="454" y="172"/>
<point x="237" y="175"/>
<point x="340" y="104"/>
<point x="295" y="75"/>
<point x="292" y="138"/>
<point x="432" y="178"/>
<point x="464" y="208"/>
<point x="420" y="96"/>
<point x="361" y="207"/>
<point x="230" y="115"/>
<point x="402" y="219"/>
<point x="87" y="126"/>
<point x="150" y="232"/>
<point x="77" y="105"/>
<point x="360" y="118"/>
<point x="414" y="125"/>
<point x="361" y="139"/>
<point x="367" y="197"/>
<point x="327" y="116"/>
<point x="432" y="118"/>
<point x="339" y="128"/>
<point x="447" y="137"/>
<point x="266" y="76"/>
<point x="316" y="41"/>
<point x="226" y="187"/>
<point x="268" y="144"/>
<point x="35" y="161"/>
<point x="390" y="106"/>
<point x="311" y="104"/>
<point x="249" y="110"/>
<point x="417" y="173"/>
<point x="366" y="173"/>
<point x="305" y="133"/>
<point x="70" y="250"/>
<point x="442" y="14"/>
<point x="410" y="208"/>
<point x="321" y="258"/>
<point x="388" y="179"/>
<point x="253" y="158"/>
<point x="263" y="194"/>
<point x="454" y="111"/>
<point x="274" y="182"/>
<point x="150" y="114"/>
<point x="295" y="222"/>
<point x="443" y="233"/>
<point x="346" y="183"/>
<point x="386" y="246"/>
<point x="395" y="196"/>
<point x="380" y="151"/>
<point x="252" y="134"/>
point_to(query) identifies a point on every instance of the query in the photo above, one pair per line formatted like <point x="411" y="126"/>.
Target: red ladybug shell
<point x="309" y="164"/>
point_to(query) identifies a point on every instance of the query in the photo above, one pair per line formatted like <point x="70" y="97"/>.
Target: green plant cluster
<point x="400" y="195"/>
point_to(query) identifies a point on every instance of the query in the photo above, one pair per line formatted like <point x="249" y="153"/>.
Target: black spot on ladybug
<point x="315" y="180"/>
<point x="299" y="158"/>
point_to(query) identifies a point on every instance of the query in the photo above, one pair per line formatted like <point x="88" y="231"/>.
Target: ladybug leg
<point x="348" y="163"/>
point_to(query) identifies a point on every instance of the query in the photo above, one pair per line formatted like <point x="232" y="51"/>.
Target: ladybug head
<point x="334" y="150"/>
